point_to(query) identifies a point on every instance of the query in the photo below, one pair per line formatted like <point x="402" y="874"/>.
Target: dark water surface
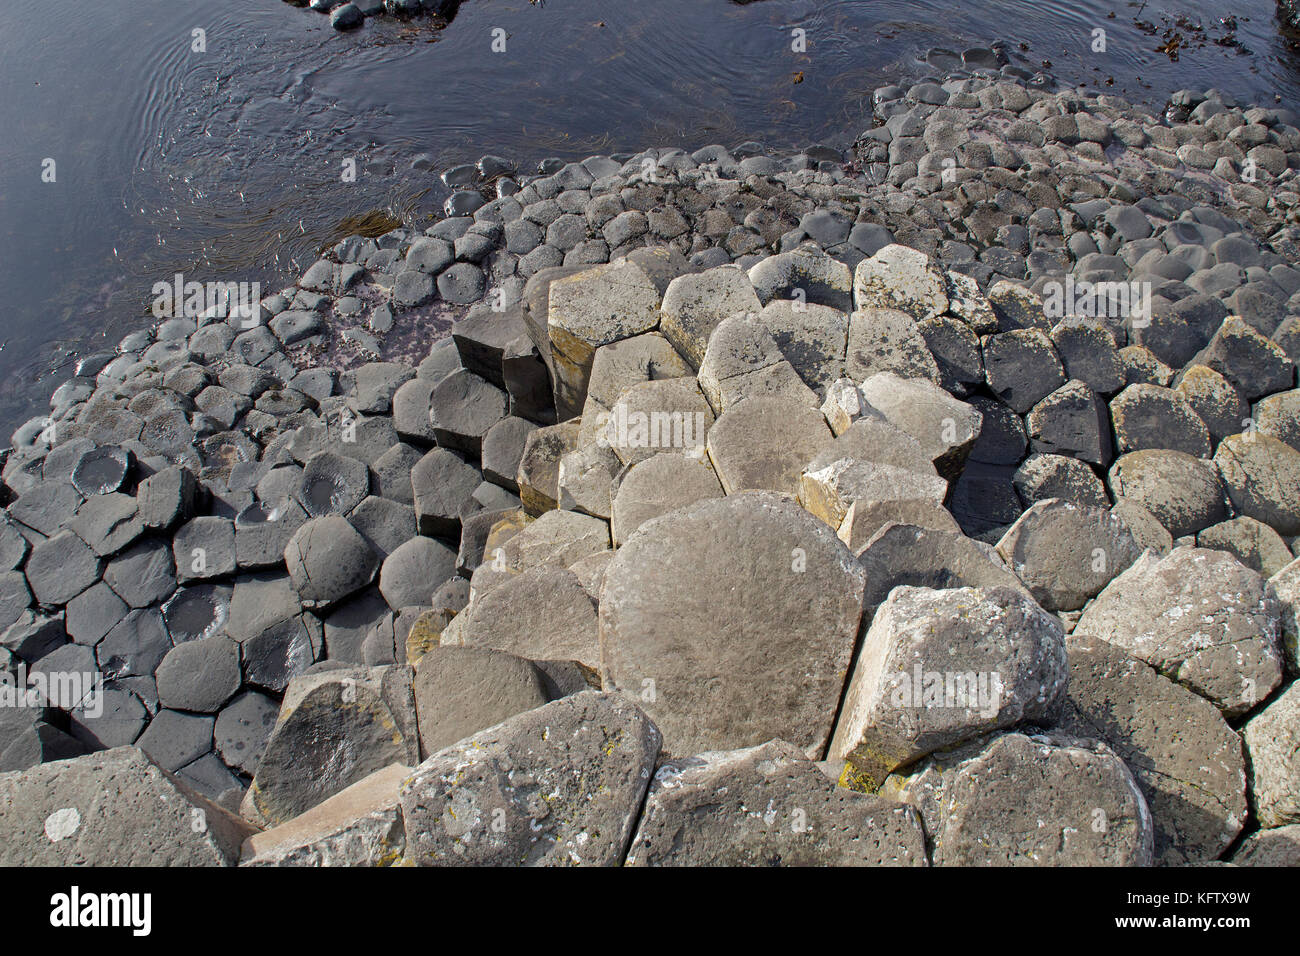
<point x="226" y="164"/>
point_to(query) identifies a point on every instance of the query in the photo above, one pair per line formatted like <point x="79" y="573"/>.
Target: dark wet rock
<point x="196" y="612"/>
<point x="332" y="484"/>
<point x="328" y="560"/>
<point x="102" y="470"/>
<point x="204" y="548"/>
<point x="199" y="675"/>
<point x="60" y="568"/>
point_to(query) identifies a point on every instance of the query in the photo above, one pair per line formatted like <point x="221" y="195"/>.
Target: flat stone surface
<point x="730" y="679"/>
<point x="460" y="691"/>
<point x="1199" y="617"/>
<point x="701" y="811"/>
<point x="1066" y="553"/>
<point x="568" y="779"/>
<point x="541" y="614"/>
<point x="764" y="443"/>
<point x="57" y="814"/>
<point x="1187" y="761"/>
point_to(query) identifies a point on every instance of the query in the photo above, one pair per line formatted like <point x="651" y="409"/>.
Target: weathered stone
<point x="463" y="407"/>
<point x="701" y="812"/>
<point x="1214" y="399"/>
<point x="694" y="305"/>
<point x="764" y="444"/>
<point x="57" y="815"/>
<point x="594" y="308"/>
<point x="60" y="568"/>
<point x="806" y="274"/>
<point x="1148" y="416"/>
<point x="412" y="572"/>
<point x="945" y="427"/>
<point x="328" y="560"/>
<point x="865" y="518"/>
<point x="590" y="754"/>
<point x="658" y="485"/>
<point x="199" y="675"/>
<point x="335" y="728"/>
<point x="360" y="825"/>
<point x="332" y="484"/>
<point x="243" y="728"/>
<point x="1251" y="542"/>
<point x="811" y="337"/>
<point x="743" y="360"/>
<point x="1199" y="617"/>
<point x="1262" y="479"/>
<point x="1272" y="739"/>
<point x="543" y="614"/>
<point x="539" y="467"/>
<point x="1277" y="847"/>
<point x="585" y="478"/>
<point x="1186" y="759"/>
<point x="1184" y="493"/>
<point x="669" y="413"/>
<point x="793" y="594"/>
<point x="620" y="365"/>
<point x="900" y="278"/>
<point x="1066" y="553"/>
<point x="460" y="691"/>
<point x="1022" y="368"/>
<point x="1255" y="365"/>
<point x="503" y="449"/>
<point x="441" y="481"/>
<point x="938" y="668"/>
<point x="887" y="340"/>
<point x="1031" y="801"/>
<point x="920" y="557"/>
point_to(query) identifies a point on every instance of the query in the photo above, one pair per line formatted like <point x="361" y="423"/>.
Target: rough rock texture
<point x="558" y="786"/>
<point x="794" y="595"/>
<point x="1199" y="617"/>
<point x="115" y="808"/>
<point x="1188" y="762"/>
<point x="1022" y="800"/>
<point x="768" y="806"/>
<point x="938" y="668"/>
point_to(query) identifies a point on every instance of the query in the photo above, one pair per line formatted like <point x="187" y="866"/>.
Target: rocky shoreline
<point x="346" y="15"/>
<point x="940" y="498"/>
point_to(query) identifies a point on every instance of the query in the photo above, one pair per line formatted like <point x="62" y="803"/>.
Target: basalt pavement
<point x="933" y="503"/>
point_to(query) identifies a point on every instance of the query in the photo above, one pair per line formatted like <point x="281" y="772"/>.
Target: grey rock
<point x="150" y="822"/>
<point x="700" y="812"/>
<point x="938" y="668"/>
<point x="1187" y="761"/>
<point x="1199" y="617"/>
<point x="745" y="543"/>
<point x="588" y="818"/>
<point x="328" y="560"/>
<point x="199" y="675"/>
